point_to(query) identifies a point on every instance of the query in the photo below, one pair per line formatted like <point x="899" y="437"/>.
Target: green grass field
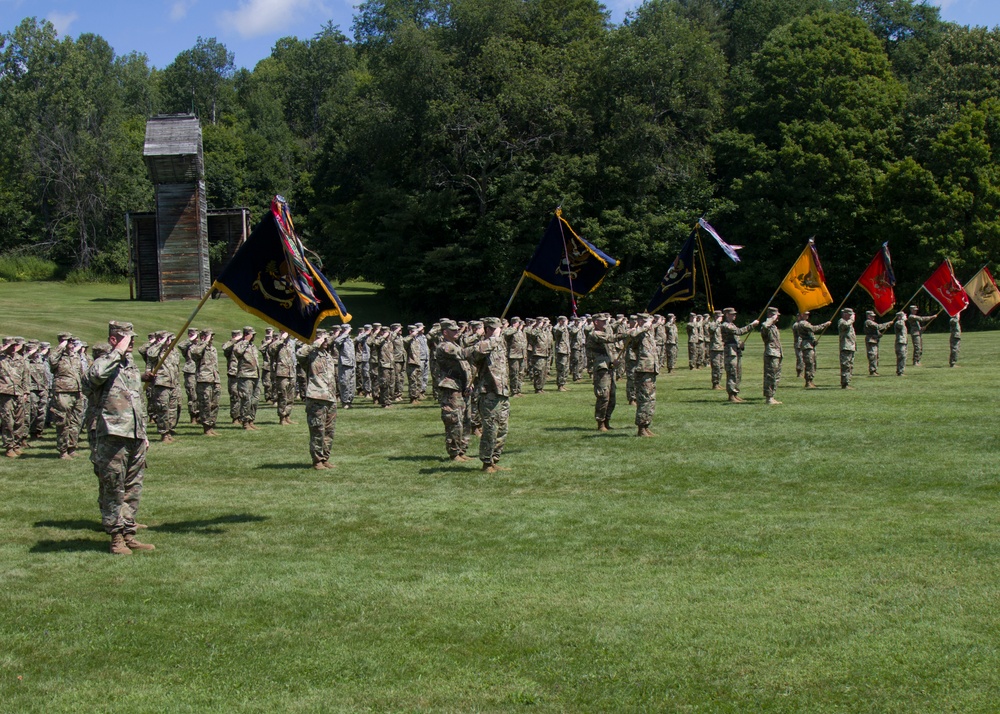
<point x="838" y="553"/>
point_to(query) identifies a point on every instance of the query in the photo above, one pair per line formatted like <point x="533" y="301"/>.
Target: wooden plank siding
<point x="182" y="235"/>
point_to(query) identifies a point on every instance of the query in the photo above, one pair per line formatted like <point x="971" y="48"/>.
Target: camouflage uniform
<point x="517" y="351"/>
<point x="807" y="341"/>
<point x="414" y="366"/>
<point x="562" y="348"/>
<point x="873" y="333"/>
<point x="601" y="344"/>
<point x="670" y="342"/>
<point x="692" y="336"/>
<point x="954" y="339"/>
<point x="772" y="355"/>
<point x="39" y="379"/>
<point x="247" y="378"/>
<point x="541" y="354"/>
<point x="899" y="328"/>
<point x="267" y="353"/>
<point x="578" y="348"/>
<point x="67" y="404"/>
<point x="120" y="453"/>
<point x="734" y="354"/>
<point x="716" y="349"/>
<point x="631" y="357"/>
<point x="362" y="357"/>
<point x="321" y="399"/>
<point x="489" y="358"/>
<point x="190" y="378"/>
<point x="848" y="346"/>
<point x="646" y="368"/>
<point x="163" y="397"/>
<point x="283" y="371"/>
<point x="398" y="362"/>
<point x="915" y="324"/>
<point x="14" y="388"/>
<point x="232" y="383"/>
<point x="206" y="359"/>
<point x="797" y="347"/>
<point x="454" y="385"/>
<point x="382" y="350"/>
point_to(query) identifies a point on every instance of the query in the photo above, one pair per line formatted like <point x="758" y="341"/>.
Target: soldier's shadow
<point x="77" y="524"/>
<point x="73" y="545"/>
<point x="207" y="526"/>
<point x="468" y="469"/>
<point x="413" y="458"/>
<point x="566" y="428"/>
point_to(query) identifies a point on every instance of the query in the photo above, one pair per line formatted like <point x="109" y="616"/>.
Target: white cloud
<point x="179" y="9"/>
<point x="262" y="17"/>
<point x="62" y="20"/>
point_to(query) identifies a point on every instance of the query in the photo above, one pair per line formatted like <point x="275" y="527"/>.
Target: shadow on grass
<point x="566" y="428"/>
<point x="414" y="458"/>
<point x="32" y="454"/>
<point x="616" y="435"/>
<point x="77" y="524"/>
<point x="294" y="466"/>
<point x="107" y="299"/>
<point x="208" y="526"/>
<point x="73" y="545"/>
<point x="473" y="467"/>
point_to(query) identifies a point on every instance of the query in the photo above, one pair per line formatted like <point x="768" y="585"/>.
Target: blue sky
<point x="163" y="28"/>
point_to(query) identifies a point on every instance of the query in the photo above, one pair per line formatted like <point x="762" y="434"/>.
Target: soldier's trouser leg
<point x="208" y="403"/>
<point x="366" y="378"/>
<point x="918" y="349"/>
<point x="576" y="362"/>
<point x="562" y="369"/>
<point x="119" y="463"/>
<point x="246" y="390"/>
<point x="809" y="365"/>
<point x="494" y="410"/>
<point x="36" y="421"/>
<point x="7" y="428"/>
<point x="733" y="357"/>
<point x="872" y="352"/>
<point x="645" y="399"/>
<point x="414" y="374"/>
<point x="954" y="346"/>
<point x="453" y="416"/>
<point x="322" y="418"/>
<point x="846" y="367"/>
<point x="425" y="374"/>
<point x="718" y="360"/>
<point x="800" y="364"/>
<point x="386" y="383"/>
<point x="692" y="355"/>
<point x="348" y="383"/>
<point x="400" y="375"/>
<point x="161" y="400"/>
<point x="232" y="387"/>
<point x="254" y="399"/>
<point x="514" y="368"/>
<point x="604" y="394"/>
<point x="67" y="417"/>
<point x="772" y="375"/>
<point x="191" y="387"/>
<point x="21" y="420"/>
<point x="284" y="393"/>
<point x="538" y="369"/>
<point x="267" y="384"/>
<point x="671" y="357"/>
<point x="900" y="359"/>
<point x="630" y="384"/>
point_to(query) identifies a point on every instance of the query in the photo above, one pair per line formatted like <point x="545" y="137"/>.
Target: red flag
<point x="878" y="280"/>
<point x="945" y="288"/>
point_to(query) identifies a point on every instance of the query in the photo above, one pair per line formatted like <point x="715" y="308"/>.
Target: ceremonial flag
<point x="729" y="250"/>
<point x="270" y="277"/>
<point x="805" y="282"/>
<point x="678" y="283"/>
<point x="878" y="280"/>
<point x="982" y="290"/>
<point x="565" y="261"/>
<point x="944" y="287"/>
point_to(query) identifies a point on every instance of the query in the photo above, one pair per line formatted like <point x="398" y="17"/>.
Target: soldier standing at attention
<point x="848" y="346"/>
<point x="647" y="366"/>
<point x="873" y="333"/>
<point x="517" y="351"/>
<point x="414" y="365"/>
<point x="577" y="347"/>
<point x="601" y="344"/>
<point x="772" y="354"/>
<point x="398" y="361"/>
<point x="454" y="387"/>
<point x="807" y="338"/>
<point x="955" y="339"/>
<point x="67" y="404"/>
<point x="630" y="356"/>
<point x="12" y="391"/>
<point x="283" y="376"/>
<point x="321" y="397"/>
<point x="425" y="357"/>
<point x="541" y="354"/>
<point x="562" y="348"/>
<point x="231" y="381"/>
<point x="382" y="351"/>
<point x="899" y="328"/>
<point x="915" y="324"/>
<point x="189" y="370"/>
<point x="716" y="349"/>
<point x="120" y="452"/>
<point x="362" y="358"/>
<point x="692" y="328"/>
<point x="734" y="352"/>
<point x="346" y="366"/>
<point x="671" y="342"/>
<point x="489" y="357"/>
<point x="206" y="359"/>
<point x="247" y="378"/>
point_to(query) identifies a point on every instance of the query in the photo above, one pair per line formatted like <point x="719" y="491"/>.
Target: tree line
<point x="427" y="152"/>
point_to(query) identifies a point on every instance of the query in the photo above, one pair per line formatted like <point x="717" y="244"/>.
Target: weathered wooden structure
<point x="172" y="248"/>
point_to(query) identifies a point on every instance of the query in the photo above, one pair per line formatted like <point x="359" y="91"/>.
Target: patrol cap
<point x="367" y="326"/>
<point x="120" y="329"/>
<point x="377" y="325"/>
<point x="151" y="335"/>
<point x="913" y="308"/>
<point x="717" y="313"/>
<point x="236" y="333"/>
<point x="772" y="310"/>
<point x="900" y="314"/>
<point x="563" y="318"/>
<point x="192" y="330"/>
<point x="644" y="316"/>
<point x="269" y="331"/>
<point x="395" y="326"/>
<point x="602" y="316"/>
<point x="729" y="311"/>
<point x="411" y="328"/>
<point x="44" y="345"/>
<point x="515" y="320"/>
<point x="869" y="313"/>
<point x="447" y="324"/>
<point x="100" y="348"/>
<point x="418" y="324"/>
<point x="475" y="324"/>
<point x="207" y="333"/>
<point x="65" y="336"/>
<point x="672" y="315"/>
<point x="321" y="333"/>
<point x="248" y="330"/>
<point x="492" y="322"/>
<point x="847" y="309"/>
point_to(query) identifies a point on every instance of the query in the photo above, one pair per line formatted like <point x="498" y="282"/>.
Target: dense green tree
<point x="199" y="81"/>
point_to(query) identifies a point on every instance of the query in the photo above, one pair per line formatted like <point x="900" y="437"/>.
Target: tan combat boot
<point x="133" y="544"/>
<point x="118" y="546"/>
<point x="771" y="400"/>
<point x="489" y="468"/>
<point x="601" y="426"/>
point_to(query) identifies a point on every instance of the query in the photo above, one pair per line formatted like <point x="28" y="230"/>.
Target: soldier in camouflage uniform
<point x="630" y="355"/>
<point x="646" y="368"/>
<point x="716" y="349"/>
<point x="562" y="348"/>
<point x="320" y="364"/>
<point x="731" y="334"/>
<point x="382" y="351"/>
<point x="14" y="388"/>
<point x="797" y="345"/>
<point x="541" y="354"/>
<point x="691" y="328"/>
<point x="267" y="354"/>
<point x="848" y="346"/>
<point x="189" y="369"/>
<point x="362" y="356"/>
<point x="601" y="344"/>
<point x="489" y="359"/>
<point x="67" y="404"/>
<point x="232" y="383"/>
<point x="899" y="328"/>
<point x="670" y="343"/>
<point x="772" y="354"/>
<point x="455" y="388"/>
<point x="915" y="324"/>
<point x="468" y="336"/>
<point x="283" y="372"/>
<point x="414" y="365"/>
<point x="398" y="361"/>
<point x="90" y="393"/>
<point x="807" y="343"/>
<point x="954" y="339"/>
<point x="163" y="398"/>
<point x="578" y="348"/>
<point x="39" y="379"/>
<point x="873" y="333"/>
<point x="346" y="366"/>
<point x="247" y="378"/>
<point x="517" y="352"/>
<point x="209" y="384"/>
<point x="120" y="453"/>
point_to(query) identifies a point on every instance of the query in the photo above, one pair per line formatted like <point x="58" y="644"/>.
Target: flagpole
<point x="835" y="312"/>
<point x="569" y="268"/>
<point x="181" y="332"/>
<point x="912" y="298"/>
<point x="509" y="302"/>
<point x="789" y="272"/>
<point x="710" y="299"/>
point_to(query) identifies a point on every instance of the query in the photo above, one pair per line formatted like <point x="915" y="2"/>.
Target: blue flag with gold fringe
<point x="565" y="261"/>
<point x="677" y="284"/>
<point x="271" y="277"/>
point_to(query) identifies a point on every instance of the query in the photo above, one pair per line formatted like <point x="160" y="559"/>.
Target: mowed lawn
<point x="838" y="553"/>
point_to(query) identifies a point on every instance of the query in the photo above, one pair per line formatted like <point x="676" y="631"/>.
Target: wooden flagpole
<point x="509" y="302"/>
<point x="182" y="331"/>
<point x="835" y="312"/>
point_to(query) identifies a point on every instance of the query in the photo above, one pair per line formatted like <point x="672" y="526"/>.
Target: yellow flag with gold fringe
<point x="805" y="282"/>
